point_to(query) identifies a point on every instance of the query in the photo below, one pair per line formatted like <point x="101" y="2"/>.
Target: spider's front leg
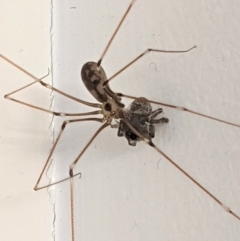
<point x="154" y="114"/>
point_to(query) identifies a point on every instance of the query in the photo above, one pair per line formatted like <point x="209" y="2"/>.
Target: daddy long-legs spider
<point x="146" y="227"/>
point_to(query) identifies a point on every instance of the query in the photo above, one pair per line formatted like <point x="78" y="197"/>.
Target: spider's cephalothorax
<point x="142" y="118"/>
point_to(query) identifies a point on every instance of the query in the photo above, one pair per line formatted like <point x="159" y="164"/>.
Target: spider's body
<point x="139" y="114"/>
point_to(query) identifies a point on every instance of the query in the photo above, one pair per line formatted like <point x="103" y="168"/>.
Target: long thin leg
<point x="182" y="109"/>
<point x="151" y="144"/>
<point x="53" y="112"/>
<point x="37" y="80"/>
<point x="85" y="148"/>
<point x="66" y="122"/>
<point x="144" y="53"/>
<point x="72" y="208"/>
<point x="114" y="34"/>
<point x="71" y="175"/>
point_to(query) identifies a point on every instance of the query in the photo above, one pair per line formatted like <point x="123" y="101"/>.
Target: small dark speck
<point x="221" y="58"/>
<point x="158" y="163"/>
<point x="72" y="7"/>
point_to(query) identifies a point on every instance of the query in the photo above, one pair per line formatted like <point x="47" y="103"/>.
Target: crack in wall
<point x="51" y="190"/>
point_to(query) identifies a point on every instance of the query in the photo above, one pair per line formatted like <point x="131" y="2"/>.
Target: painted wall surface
<point x="25" y="137"/>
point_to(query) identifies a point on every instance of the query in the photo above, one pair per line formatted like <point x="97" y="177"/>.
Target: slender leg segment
<point x="55" y="113"/>
<point x="72" y="175"/>
<point x="144" y="53"/>
<point x="64" y="124"/>
<point x="37" y="80"/>
<point x="151" y="144"/>
<point x="115" y="32"/>
<point x="182" y="109"/>
<point x="85" y="148"/>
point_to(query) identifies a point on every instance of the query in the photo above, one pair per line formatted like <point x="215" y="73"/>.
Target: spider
<point x="135" y="123"/>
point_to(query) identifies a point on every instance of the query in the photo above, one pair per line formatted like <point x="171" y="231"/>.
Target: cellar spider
<point x="130" y="129"/>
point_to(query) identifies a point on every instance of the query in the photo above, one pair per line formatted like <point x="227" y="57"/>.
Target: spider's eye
<point x="108" y="107"/>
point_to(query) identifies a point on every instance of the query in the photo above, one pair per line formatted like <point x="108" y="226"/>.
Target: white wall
<point x="24" y="133"/>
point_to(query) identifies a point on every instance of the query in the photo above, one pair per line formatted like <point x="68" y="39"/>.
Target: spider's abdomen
<point x="93" y="78"/>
